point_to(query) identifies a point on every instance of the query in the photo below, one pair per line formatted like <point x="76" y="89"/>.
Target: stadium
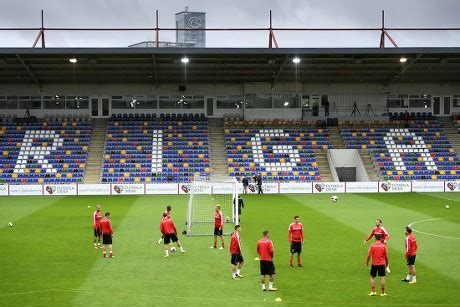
<point x="339" y="137"/>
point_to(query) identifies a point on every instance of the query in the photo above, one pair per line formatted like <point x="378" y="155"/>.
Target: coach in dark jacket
<point x="258" y="181"/>
<point x="245" y="182"/>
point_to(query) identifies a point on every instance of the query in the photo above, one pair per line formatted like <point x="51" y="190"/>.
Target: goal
<point x="204" y="196"/>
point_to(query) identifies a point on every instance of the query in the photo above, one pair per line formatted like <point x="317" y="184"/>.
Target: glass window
<point x="171" y="102"/>
<point x="193" y="102"/>
<point x="123" y="102"/>
<point x="420" y="101"/>
<point x="230" y="102"/>
<point x="27" y="102"/>
<point x="146" y="102"/>
<point x="54" y="102"/>
<point x="258" y="101"/>
<point x="397" y="101"/>
<point x="456" y="100"/>
<point x="77" y="102"/>
<point x="286" y="100"/>
<point x="8" y="102"/>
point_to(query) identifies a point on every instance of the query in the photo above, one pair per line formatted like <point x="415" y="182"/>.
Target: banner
<point x="222" y="188"/>
<point x="328" y="187"/>
<point x="452" y="186"/>
<point x="127" y="189"/>
<point x="26" y="189"/>
<point x="362" y="187"/>
<point x="60" y="189"/>
<point x="3" y="190"/>
<point x="161" y="188"/>
<point x="267" y="188"/>
<point x="295" y="187"/>
<point x="427" y="186"/>
<point x="394" y="186"/>
<point x="94" y="189"/>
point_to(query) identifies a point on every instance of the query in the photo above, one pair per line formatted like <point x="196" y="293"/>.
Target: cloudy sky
<point x="236" y="13"/>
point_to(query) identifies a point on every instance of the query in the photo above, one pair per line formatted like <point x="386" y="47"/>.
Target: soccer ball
<point x="173" y="249"/>
<point x="447" y="206"/>
<point x="227" y="219"/>
<point x="334" y="198"/>
<point x="10" y="224"/>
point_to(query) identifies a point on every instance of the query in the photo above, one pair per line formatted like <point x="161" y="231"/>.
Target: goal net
<point x="204" y="196"/>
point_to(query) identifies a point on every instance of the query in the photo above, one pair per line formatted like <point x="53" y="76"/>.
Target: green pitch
<point x="47" y="257"/>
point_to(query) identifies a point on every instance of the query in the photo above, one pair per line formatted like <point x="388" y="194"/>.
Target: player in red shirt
<point x="267" y="267"/>
<point x="218" y="227"/>
<point x="235" y="252"/>
<point x="378" y="253"/>
<point x="295" y="238"/>
<point x="169" y="231"/>
<point x="97" y="216"/>
<point x="107" y="234"/>
<point x="411" y="253"/>
<point x="378" y="229"/>
<point x="168" y="214"/>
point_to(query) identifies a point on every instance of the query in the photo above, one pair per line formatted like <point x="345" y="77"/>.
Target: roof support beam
<point x="279" y="71"/>
<point x="27" y="68"/>
<point x="155" y="71"/>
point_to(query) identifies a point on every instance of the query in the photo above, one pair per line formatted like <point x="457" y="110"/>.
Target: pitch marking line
<point x="432" y="234"/>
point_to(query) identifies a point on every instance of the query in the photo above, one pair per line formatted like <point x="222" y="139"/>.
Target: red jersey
<point x="106" y="226"/>
<point x="411" y="245"/>
<point x="97" y="217"/>
<point x="235" y="244"/>
<point x="378" y="252"/>
<point x="167" y="226"/>
<point x="295" y="232"/>
<point x="379" y="230"/>
<point x="265" y="249"/>
<point x="219" y="220"/>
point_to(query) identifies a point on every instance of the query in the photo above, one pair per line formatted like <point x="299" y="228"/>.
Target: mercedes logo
<point x="195" y="22"/>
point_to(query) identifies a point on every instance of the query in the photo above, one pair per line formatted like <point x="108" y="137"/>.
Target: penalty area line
<point x="432" y="234"/>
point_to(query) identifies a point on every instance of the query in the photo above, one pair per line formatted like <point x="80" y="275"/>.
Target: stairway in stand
<point x="96" y="151"/>
<point x="217" y="148"/>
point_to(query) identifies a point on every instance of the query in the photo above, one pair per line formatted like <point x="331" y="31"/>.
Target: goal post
<point x="204" y="196"/>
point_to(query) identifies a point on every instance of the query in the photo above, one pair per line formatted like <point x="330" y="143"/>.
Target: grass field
<point x="47" y="258"/>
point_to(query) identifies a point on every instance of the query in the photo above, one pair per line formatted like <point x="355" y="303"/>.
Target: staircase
<point x="323" y="166"/>
<point x="450" y="130"/>
<point x="217" y="148"/>
<point x="369" y="165"/>
<point x="96" y="151"/>
<point x="336" y="138"/>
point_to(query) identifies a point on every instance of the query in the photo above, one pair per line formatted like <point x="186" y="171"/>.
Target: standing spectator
<point x="411" y="252"/>
<point x="245" y="182"/>
<point x="258" y="180"/>
<point x="326" y="108"/>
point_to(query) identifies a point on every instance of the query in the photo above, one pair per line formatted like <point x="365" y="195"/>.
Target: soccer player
<point x="378" y="253"/>
<point x="107" y="234"/>
<point x="168" y="229"/>
<point x="267" y="267"/>
<point x="168" y="214"/>
<point x="295" y="237"/>
<point x="235" y="251"/>
<point x="378" y="229"/>
<point x="411" y="252"/>
<point x="97" y="216"/>
<point x="240" y="206"/>
<point x="218" y="227"/>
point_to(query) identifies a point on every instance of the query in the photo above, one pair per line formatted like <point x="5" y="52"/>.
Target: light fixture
<point x="185" y="60"/>
<point x="296" y="60"/>
<point x="403" y="60"/>
<point x="73" y="60"/>
<point x="286" y="103"/>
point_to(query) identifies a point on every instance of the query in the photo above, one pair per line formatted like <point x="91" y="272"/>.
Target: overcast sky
<point x="235" y="13"/>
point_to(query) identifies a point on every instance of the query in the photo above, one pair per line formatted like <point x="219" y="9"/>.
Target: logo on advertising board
<point x="132" y="189"/>
<point x="319" y="187"/>
<point x="49" y="189"/>
<point x="452" y="185"/>
<point x="3" y="189"/>
<point x="118" y="189"/>
<point x="185" y="188"/>
<point x="395" y="186"/>
<point x="385" y="186"/>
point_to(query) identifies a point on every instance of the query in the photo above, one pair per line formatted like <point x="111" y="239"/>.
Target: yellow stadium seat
<point x="148" y="179"/>
<point x="126" y="175"/>
<point x="69" y="175"/>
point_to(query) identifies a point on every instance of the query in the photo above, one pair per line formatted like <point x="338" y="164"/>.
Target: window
<point x="8" y="102"/>
<point x="27" y="102"/>
<point x="230" y="102"/>
<point x="286" y="100"/>
<point x="54" y="102"/>
<point x="397" y="101"/>
<point x="77" y="102"/>
<point x="193" y="102"/>
<point x="146" y="102"/>
<point x="258" y="101"/>
<point x="420" y="101"/>
<point x="122" y="102"/>
<point x="456" y="100"/>
<point x="171" y="102"/>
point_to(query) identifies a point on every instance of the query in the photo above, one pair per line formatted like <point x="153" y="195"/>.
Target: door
<point x="210" y="106"/>
<point x="447" y="107"/>
<point x="100" y="107"/>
